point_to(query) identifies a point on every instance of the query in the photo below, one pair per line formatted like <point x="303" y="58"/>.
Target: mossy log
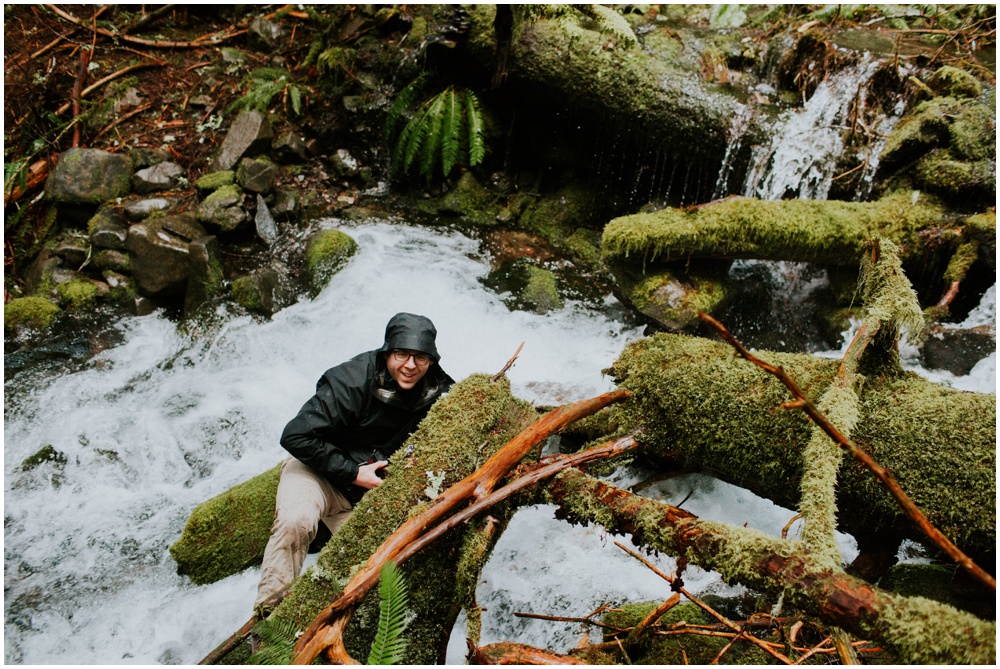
<point x="462" y="430"/>
<point x="692" y="396"/>
<point x="228" y="533"/>
<point x="825" y="232"/>
<point x="918" y="630"/>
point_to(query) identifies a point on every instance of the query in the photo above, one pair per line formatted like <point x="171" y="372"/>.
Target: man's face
<point x="407" y="367"/>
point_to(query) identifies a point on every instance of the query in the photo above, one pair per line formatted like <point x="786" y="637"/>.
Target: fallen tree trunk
<point x="918" y="630"/>
<point x="721" y="414"/>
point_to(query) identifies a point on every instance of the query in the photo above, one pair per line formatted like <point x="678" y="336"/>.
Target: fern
<point x="278" y="637"/>
<point x="404" y="101"/>
<point x="432" y="148"/>
<point x="263" y="85"/>
<point x="477" y="144"/>
<point x="389" y="644"/>
<point x="451" y="132"/>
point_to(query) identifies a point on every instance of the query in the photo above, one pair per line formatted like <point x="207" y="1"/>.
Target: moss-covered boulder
<point x="34" y="312"/>
<point x="541" y="291"/>
<point x="77" y="294"/>
<point x="213" y="181"/>
<point x="46" y="453"/>
<point x="327" y="252"/>
<point x="671" y="297"/>
<point x="461" y="431"/>
<point x="723" y="415"/>
<point x="471" y="201"/>
<point x="258" y="292"/>
<point x="89" y="177"/>
<point x="223" y="209"/>
<point x="228" y="533"/>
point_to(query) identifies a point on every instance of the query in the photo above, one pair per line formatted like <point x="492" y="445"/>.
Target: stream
<point x="167" y="419"/>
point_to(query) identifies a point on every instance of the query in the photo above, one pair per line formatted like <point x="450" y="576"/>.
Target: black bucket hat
<point x="411" y="332"/>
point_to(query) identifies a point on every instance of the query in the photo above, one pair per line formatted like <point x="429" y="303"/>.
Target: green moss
<point x="925" y="128"/>
<point x="941" y="173"/>
<point x="953" y="82"/>
<point x="961" y="261"/>
<point x="34" y="312"/>
<point x="541" y="291"/>
<point x="891" y="306"/>
<point x="246" y="293"/>
<point x="462" y="429"/>
<point x="46" y="454"/>
<point x="669" y="299"/>
<point x="327" y="252"/>
<point x="228" y="533"/>
<point x="584" y="246"/>
<point x="973" y="133"/>
<point x="77" y="294"/>
<point x="471" y="201"/>
<point x="830" y="232"/>
<point x="215" y="180"/>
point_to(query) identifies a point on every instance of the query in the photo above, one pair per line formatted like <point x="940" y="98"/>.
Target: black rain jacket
<point x="358" y="415"/>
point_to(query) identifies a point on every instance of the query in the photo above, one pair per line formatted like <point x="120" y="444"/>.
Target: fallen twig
<point x="510" y="363"/>
<point x="883" y="475"/>
<point x="111" y="77"/>
<point x="204" y="41"/>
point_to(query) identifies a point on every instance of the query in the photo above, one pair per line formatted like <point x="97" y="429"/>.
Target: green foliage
<point x="389" y="644"/>
<point x="263" y="85"/>
<point x="446" y="131"/>
<point x="277" y="637"/>
<point x="15" y="175"/>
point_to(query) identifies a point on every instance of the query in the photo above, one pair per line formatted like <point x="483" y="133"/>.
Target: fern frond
<point x="432" y="145"/>
<point x="474" y="118"/>
<point x="451" y="133"/>
<point x="267" y="74"/>
<point x="610" y="22"/>
<point x="389" y="645"/>
<point x="278" y="637"/>
<point x="296" y="96"/>
<point x="416" y="138"/>
<point x="404" y="101"/>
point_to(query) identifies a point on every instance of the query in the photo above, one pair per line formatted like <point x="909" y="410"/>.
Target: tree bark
<point x="918" y="630"/>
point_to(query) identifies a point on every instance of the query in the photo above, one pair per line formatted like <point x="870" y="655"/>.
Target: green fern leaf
<point x="432" y="146"/>
<point x="477" y="145"/>
<point x="278" y="637"/>
<point x="389" y="645"/>
<point x="403" y="101"/>
<point x="451" y="133"/>
<point x="296" y="95"/>
<point x="416" y="138"/>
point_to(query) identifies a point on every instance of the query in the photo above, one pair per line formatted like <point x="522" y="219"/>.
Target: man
<point x="363" y="410"/>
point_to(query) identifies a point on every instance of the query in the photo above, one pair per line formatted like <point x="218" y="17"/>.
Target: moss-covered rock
<point x="471" y="201"/>
<point x="327" y="252"/>
<point x="952" y="82"/>
<point x="215" y="180"/>
<point x="723" y="414"/>
<point x="36" y="312"/>
<point x="228" y="533"/>
<point x="45" y="454"/>
<point x="541" y="291"/>
<point x="77" y="294"/>
<point x="461" y="431"/>
<point x="224" y="209"/>
<point x="671" y="297"/>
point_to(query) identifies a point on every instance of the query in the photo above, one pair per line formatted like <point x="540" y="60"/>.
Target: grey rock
<point x="141" y="209"/>
<point x="158" y="252"/>
<point x="205" y="274"/>
<point x="957" y="350"/>
<point x="89" y="176"/>
<point x="73" y="249"/>
<point x="39" y="274"/>
<point x="344" y="164"/>
<point x="257" y="175"/>
<point x="268" y="31"/>
<point x="260" y="292"/>
<point x="143" y="158"/>
<point x="286" y="204"/>
<point x="223" y="209"/>
<point x="143" y="306"/>
<point x="289" y="148"/>
<point x="162" y="176"/>
<point x="108" y="229"/>
<point x="249" y="135"/>
<point x="267" y="229"/>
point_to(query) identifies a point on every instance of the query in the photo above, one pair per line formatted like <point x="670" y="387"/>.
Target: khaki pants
<point x="304" y="498"/>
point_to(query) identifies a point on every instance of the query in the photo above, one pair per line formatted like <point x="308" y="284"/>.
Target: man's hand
<point x="367" y="476"/>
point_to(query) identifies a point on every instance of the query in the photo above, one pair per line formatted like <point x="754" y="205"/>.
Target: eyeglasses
<point x="421" y="359"/>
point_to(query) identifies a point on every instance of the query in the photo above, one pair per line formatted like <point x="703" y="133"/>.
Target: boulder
<point x="249" y="135"/>
<point x="143" y="158"/>
<point x="223" y="209"/>
<point x="326" y="253"/>
<point x="204" y="273"/>
<point x="108" y="229"/>
<point x="89" y="176"/>
<point x="21" y="312"/>
<point x="162" y="176"/>
<point x="158" y="252"/>
<point x="73" y="249"/>
<point x="259" y="292"/>
<point x="286" y="204"/>
<point x="267" y="229"/>
<point x="215" y="180"/>
<point x="957" y="350"/>
<point x="110" y="260"/>
<point x="140" y="209"/>
<point x="257" y="174"/>
<point x="289" y="148"/>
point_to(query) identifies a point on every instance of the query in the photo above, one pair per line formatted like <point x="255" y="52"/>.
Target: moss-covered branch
<point x="919" y="630"/>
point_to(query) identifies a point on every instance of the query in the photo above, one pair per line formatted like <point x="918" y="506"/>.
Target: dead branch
<point x="124" y="117"/>
<point x="243" y="632"/>
<point x="883" y="475"/>
<point x="111" y="77"/>
<point x="325" y="633"/>
<point x="204" y="41"/>
<point x="147" y="19"/>
<point x="510" y="363"/>
<point x="516" y="653"/>
<point x="818" y="648"/>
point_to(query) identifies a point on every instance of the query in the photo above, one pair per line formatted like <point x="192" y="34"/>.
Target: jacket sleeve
<point x="309" y="436"/>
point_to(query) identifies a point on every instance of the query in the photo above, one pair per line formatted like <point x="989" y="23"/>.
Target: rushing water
<point x="166" y="420"/>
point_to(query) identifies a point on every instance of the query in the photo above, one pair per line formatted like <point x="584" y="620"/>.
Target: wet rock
<point x="159" y="177"/>
<point x="953" y="82"/>
<point x="257" y="175"/>
<point x="286" y="204"/>
<point x="259" y="292"/>
<point x="327" y="252"/>
<point x="143" y="158"/>
<point x="249" y="135"/>
<point x="89" y="176"/>
<point x="223" y="209"/>
<point x="957" y="350"/>
<point x="122" y="287"/>
<point x="471" y="201"/>
<point x="289" y="148"/>
<point x="33" y="312"/>
<point x="46" y="453"/>
<point x="204" y="273"/>
<point x="507" y="245"/>
<point x="108" y="229"/>
<point x="77" y="294"/>
<point x="73" y="249"/>
<point x="110" y="259"/>
<point x="215" y="180"/>
<point x="268" y="31"/>
<point x="267" y="229"/>
<point x="343" y="164"/>
<point x="542" y="293"/>
<point x="141" y="209"/>
<point x="142" y="306"/>
<point x="38" y="278"/>
<point x="158" y="252"/>
<point x="670" y="298"/>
